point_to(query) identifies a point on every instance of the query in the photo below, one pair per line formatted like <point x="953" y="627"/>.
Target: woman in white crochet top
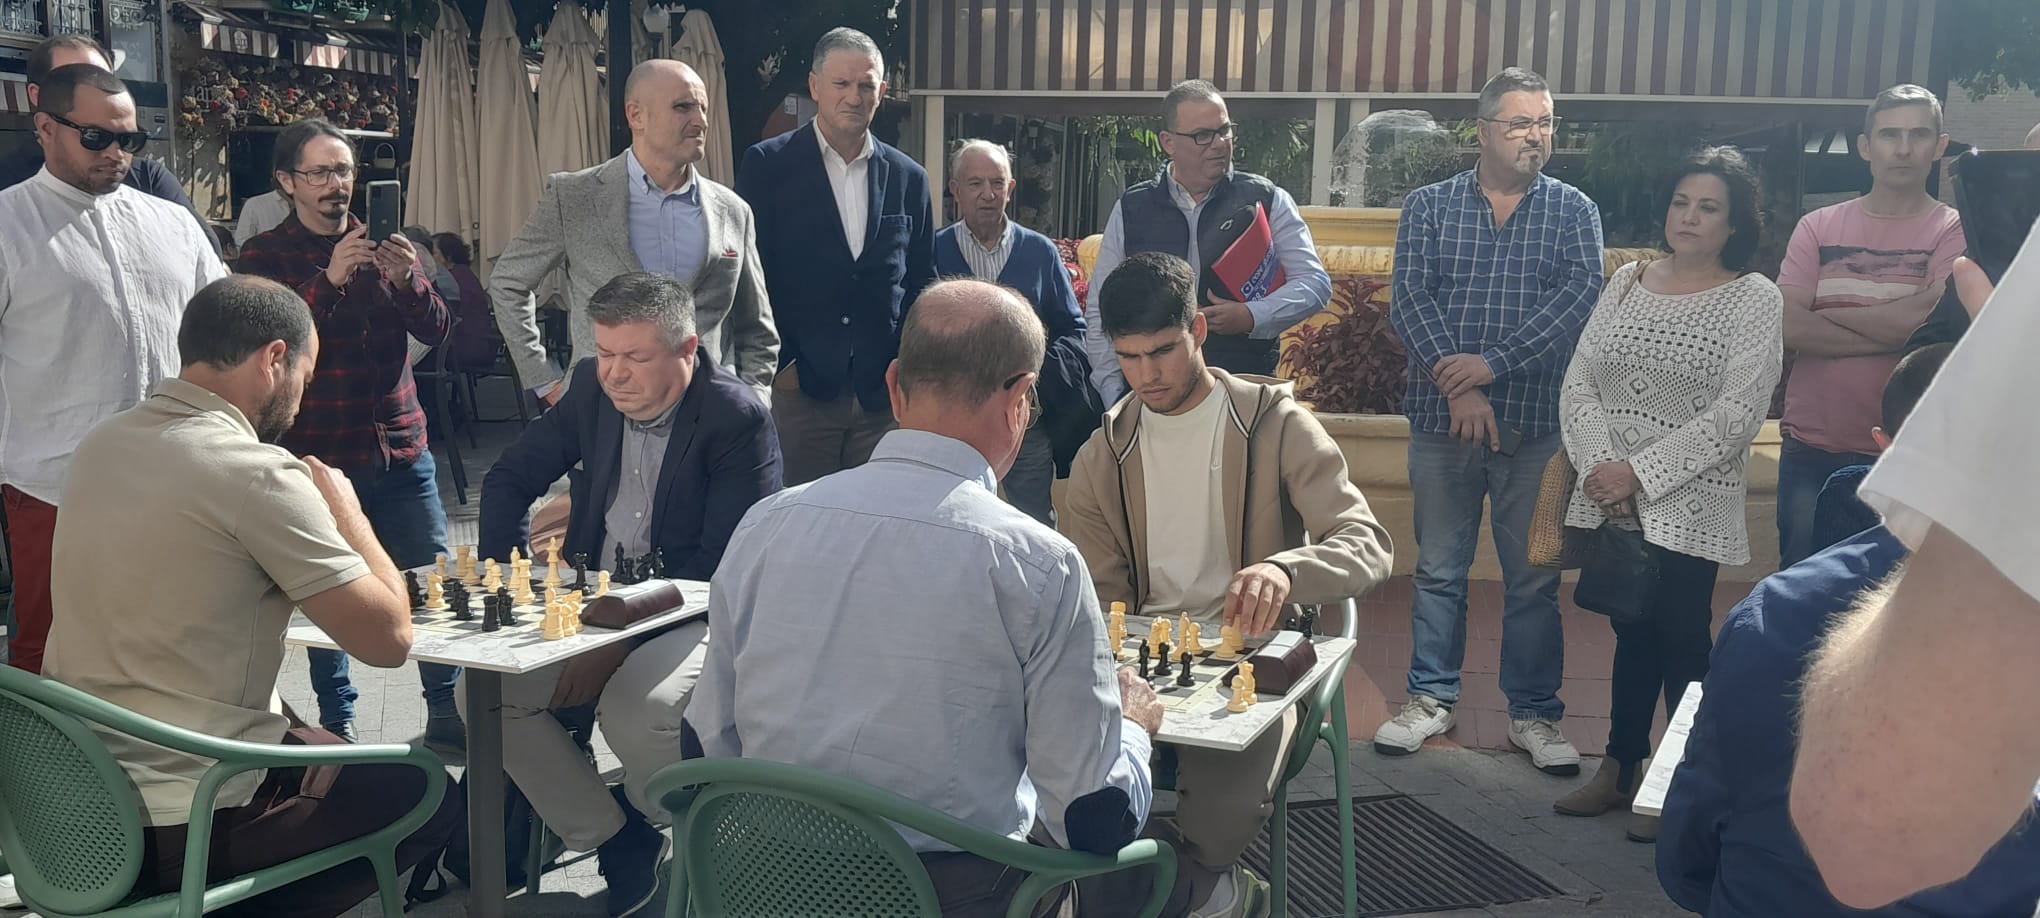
<point x="1670" y="383"/>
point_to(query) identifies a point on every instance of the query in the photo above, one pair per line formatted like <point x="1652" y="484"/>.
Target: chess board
<point x="1207" y="671"/>
<point x="529" y="615"/>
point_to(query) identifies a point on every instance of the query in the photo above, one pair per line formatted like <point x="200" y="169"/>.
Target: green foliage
<point x="1627" y="165"/>
<point x="1278" y="150"/>
<point x="1992" y="45"/>
<point x="1411" y="163"/>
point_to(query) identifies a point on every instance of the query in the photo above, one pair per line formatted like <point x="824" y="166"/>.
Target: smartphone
<point x="1511" y="440"/>
<point x="385" y="203"/>
<point x="1998" y="194"/>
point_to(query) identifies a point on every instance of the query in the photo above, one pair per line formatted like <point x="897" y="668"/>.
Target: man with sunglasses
<point x="94" y="276"/>
<point x="1258" y="272"/>
<point x="362" y="414"/>
<point x="144" y="175"/>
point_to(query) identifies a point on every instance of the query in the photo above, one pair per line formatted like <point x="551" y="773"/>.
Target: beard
<point x="276" y="416"/>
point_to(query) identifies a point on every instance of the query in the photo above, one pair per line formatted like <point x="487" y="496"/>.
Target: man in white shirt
<point x="94" y="276"/>
<point x="1918" y="746"/>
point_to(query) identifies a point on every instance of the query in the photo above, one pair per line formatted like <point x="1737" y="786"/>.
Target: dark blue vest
<point x="1152" y="222"/>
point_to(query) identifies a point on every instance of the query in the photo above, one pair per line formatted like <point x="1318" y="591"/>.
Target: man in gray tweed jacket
<point x="647" y="210"/>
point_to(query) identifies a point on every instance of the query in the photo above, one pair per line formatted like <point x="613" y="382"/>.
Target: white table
<point x="1657" y="782"/>
<point x="1208" y="724"/>
<point x="486" y="656"/>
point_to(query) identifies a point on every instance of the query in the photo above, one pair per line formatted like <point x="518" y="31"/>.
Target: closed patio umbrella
<point x="698" y="47"/>
<point x="573" y="120"/>
<point x="443" y="152"/>
<point x="509" y="138"/>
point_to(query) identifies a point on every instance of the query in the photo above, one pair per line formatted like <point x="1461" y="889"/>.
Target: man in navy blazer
<point x="673" y="451"/>
<point x="847" y="238"/>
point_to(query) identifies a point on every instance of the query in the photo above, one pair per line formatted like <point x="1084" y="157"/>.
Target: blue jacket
<point x="838" y="317"/>
<point x="723" y="457"/>
<point x="1069" y="407"/>
<point x="1727" y="848"/>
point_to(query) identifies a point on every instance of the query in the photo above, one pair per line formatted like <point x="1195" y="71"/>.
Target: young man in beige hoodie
<point x="1195" y="496"/>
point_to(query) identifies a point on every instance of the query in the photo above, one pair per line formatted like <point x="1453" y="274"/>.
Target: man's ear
<point x="1198" y="328"/>
<point x="1882" y="439"/>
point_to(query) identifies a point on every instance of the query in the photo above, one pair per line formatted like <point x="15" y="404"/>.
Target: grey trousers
<point x="639" y="715"/>
<point x="821" y="438"/>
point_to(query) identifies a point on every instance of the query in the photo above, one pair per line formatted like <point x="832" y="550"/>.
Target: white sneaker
<point x="1421" y="718"/>
<point x="1548" y="748"/>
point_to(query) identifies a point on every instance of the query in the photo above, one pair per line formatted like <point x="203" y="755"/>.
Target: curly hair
<point x="1745" y="192"/>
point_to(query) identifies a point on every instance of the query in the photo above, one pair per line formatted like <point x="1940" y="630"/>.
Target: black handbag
<point x="1618" y="574"/>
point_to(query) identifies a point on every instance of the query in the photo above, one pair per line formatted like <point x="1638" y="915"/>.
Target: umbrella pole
<point x="622" y="57"/>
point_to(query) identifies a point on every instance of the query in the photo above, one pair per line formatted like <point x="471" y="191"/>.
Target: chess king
<point x="1278" y="475"/>
<point x="674" y="449"/>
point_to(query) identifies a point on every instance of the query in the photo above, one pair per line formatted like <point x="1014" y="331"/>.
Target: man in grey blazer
<point x="647" y="210"/>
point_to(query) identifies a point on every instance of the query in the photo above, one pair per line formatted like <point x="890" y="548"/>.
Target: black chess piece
<point x="1146" y="657"/>
<point x="504" y="604"/>
<point x="1163" y="669"/>
<point x="581" y="571"/>
<point x="656" y="566"/>
<point x="492" y="620"/>
<point x="411" y="587"/>
<point x="620" y="560"/>
<point x="462" y="610"/>
<point x="626" y="571"/>
<point x="1183" y="675"/>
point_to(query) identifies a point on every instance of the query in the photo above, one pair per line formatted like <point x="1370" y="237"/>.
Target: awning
<point x="13" y="95"/>
<point x="232" y="33"/>
<point x="348" y="51"/>
<point x="1696" y="50"/>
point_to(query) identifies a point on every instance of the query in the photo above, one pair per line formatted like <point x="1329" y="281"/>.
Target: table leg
<point x="485" y="792"/>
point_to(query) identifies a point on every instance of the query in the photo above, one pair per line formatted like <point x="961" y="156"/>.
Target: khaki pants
<point x="819" y="438"/>
<point x="1222" y="801"/>
<point x="640" y="716"/>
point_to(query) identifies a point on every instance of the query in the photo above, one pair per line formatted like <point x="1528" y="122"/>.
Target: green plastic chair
<point x="764" y="838"/>
<point x="71" y="821"/>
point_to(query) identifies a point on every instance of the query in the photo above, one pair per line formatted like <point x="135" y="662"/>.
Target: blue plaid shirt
<point x="1517" y="296"/>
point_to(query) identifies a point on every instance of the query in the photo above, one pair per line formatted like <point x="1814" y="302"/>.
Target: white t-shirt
<point x="1964" y="459"/>
<point x="1182" y="459"/>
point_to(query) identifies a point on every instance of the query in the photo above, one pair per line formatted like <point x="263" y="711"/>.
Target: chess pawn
<point x="523" y="584"/>
<point x="435" y="590"/>
<point x="552" y="627"/>
<point x="1158" y="631"/>
<point x="1242" y="690"/>
<point x="492" y="575"/>
<point x="601" y="584"/>
<point x="464" y="564"/>
<point x="573" y="609"/>
<point x="1229" y="642"/>
<point x="1192" y="632"/>
<point x="440" y="569"/>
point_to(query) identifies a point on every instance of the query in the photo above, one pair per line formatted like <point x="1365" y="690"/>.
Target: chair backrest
<point x="753" y="850"/>
<point x="70" y="820"/>
<point x="1311" y="718"/>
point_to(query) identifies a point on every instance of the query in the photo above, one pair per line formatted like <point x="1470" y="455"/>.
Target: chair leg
<point x="387" y="889"/>
<point x="534" y="856"/>
<point x="1343" y="782"/>
<point x="1278" y="854"/>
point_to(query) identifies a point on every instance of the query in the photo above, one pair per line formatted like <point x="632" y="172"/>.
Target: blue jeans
<point x="1449" y="479"/>
<point x="1028" y="485"/>
<point x="402" y="506"/>
<point x="1802" y="471"/>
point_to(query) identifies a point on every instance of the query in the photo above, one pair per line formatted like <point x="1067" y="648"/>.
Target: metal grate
<point x="1408" y="858"/>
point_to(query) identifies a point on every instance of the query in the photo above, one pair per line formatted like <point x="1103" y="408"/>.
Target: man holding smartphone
<point x="361" y="412"/>
<point x="1496" y="271"/>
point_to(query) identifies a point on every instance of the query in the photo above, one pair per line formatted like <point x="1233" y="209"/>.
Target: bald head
<point x="667" y="107"/>
<point x="966" y="339"/>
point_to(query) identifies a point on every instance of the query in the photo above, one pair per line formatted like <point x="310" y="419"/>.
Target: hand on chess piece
<point x="1230" y="642"/>
<point x="585" y="676"/>
<point x="1253" y="601"/>
<point x="1137" y="701"/>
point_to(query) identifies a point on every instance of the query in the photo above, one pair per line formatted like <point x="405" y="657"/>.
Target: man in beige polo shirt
<point x="185" y="540"/>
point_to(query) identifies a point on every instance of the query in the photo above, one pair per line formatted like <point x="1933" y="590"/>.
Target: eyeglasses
<point x="1518" y="128"/>
<point x="320" y="178"/>
<point x="97" y="139"/>
<point x="1033" y="399"/>
<point x="1205" y="137"/>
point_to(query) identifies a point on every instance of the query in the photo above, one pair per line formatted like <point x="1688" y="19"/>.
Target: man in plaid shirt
<point x="360" y="413"/>
<point x="1496" y="271"/>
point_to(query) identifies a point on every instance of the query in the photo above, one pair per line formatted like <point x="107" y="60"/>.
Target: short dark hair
<point x="452" y="249"/>
<point x="290" y="143"/>
<point x="59" y="88"/>
<point x="1511" y="79"/>
<point x="1745" y="199"/>
<point x="1148" y="292"/>
<point x="1899" y="96"/>
<point x="1909" y="381"/>
<point x="237" y="315"/>
<point x="39" y="59"/>
<point x="1187" y="91"/>
<point x="967" y="338"/>
<point x="642" y="296"/>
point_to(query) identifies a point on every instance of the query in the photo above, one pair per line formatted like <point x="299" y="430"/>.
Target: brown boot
<point x="1612" y="787"/>
<point x="1642" y="828"/>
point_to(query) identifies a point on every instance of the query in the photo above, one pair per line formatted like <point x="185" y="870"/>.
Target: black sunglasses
<point x="97" y="139"/>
